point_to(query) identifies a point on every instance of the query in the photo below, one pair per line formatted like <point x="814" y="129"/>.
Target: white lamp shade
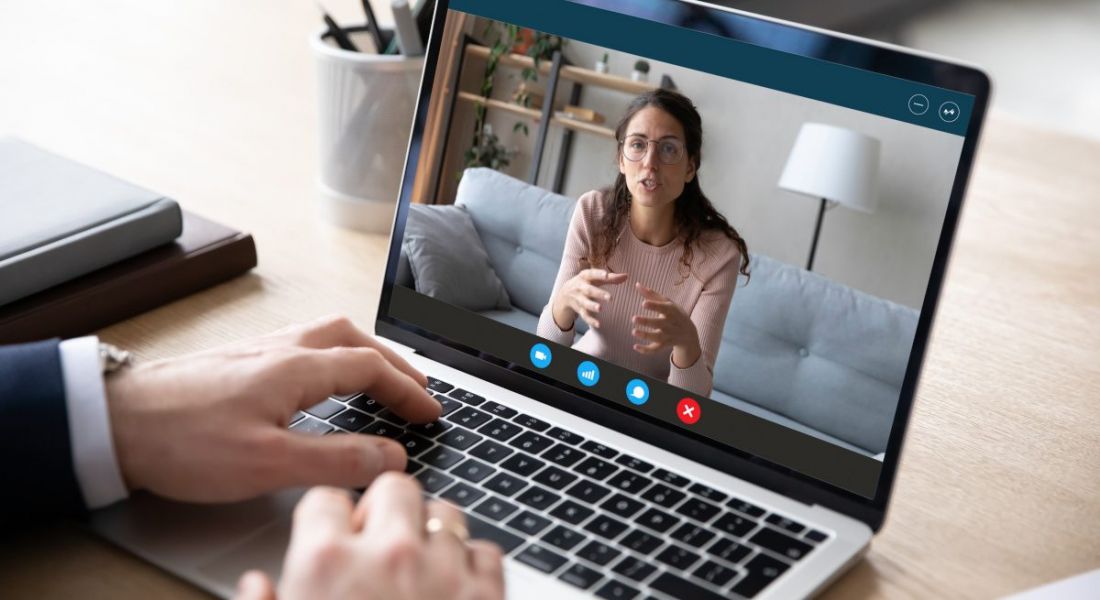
<point x="836" y="164"/>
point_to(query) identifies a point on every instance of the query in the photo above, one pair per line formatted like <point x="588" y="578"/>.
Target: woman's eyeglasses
<point x="669" y="150"/>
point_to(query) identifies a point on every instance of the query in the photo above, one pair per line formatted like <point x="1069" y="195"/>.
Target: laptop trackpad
<point x="263" y="551"/>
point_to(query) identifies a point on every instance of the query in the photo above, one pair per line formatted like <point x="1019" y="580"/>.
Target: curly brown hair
<point x="694" y="214"/>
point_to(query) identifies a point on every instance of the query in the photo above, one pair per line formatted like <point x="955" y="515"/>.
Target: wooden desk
<point x="212" y="102"/>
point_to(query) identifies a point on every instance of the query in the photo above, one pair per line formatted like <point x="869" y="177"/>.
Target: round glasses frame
<point x="670" y="151"/>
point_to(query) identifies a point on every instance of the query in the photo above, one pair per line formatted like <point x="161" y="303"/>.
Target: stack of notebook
<point x="80" y="249"/>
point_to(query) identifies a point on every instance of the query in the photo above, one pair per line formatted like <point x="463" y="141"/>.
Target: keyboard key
<point x="678" y="587"/>
<point x="563" y="455"/>
<point x="468" y="397"/>
<point x="637" y="464"/>
<point x="693" y="535"/>
<point x="311" y="427"/>
<point x="473" y="470"/>
<point x="596" y="468"/>
<point x="344" y="397"/>
<point x="677" y="557"/>
<point x="429" y="430"/>
<point x="629" y="481"/>
<point x="499" y="410"/>
<point x="571" y="512"/>
<point x="729" y="550"/>
<point x="540" y="558"/>
<point x="433" y="480"/>
<point x="663" y="495"/>
<point x="414" y="444"/>
<point x="449" y="405"/>
<point x="490" y="451"/>
<point x="622" y="506"/>
<point x="780" y="543"/>
<point x="734" y="524"/>
<point x="297" y="416"/>
<point x="522" y="464"/>
<point x="554" y="478"/>
<point x="495" y="508"/>
<point x="531" y="422"/>
<point x="589" y="492"/>
<point x="461" y="494"/>
<point x="529" y="523"/>
<point x="707" y="492"/>
<point x="470" y="417"/>
<point x="483" y="530"/>
<point x="580" y="576"/>
<point x="600" y="450"/>
<point x="563" y="537"/>
<point x="411" y="466"/>
<point x="500" y="430"/>
<point x="565" y="436"/>
<point x="383" y="429"/>
<point x="352" y="420"/>
<point x="606" y="527"/>
<point x="538" y="498"/>
<point x="392" y="417"/>
<point x="747" y="508"/>
<point x="714" y="573"/>
<point x="459" y="438"/>
<point x="442" y="457"/>
<point x="504" y="484"/>
<point x="761" y="571"/>
<point x="640" y="542"/>
<point x="439" y="386"/>
<point x="697" y="509"/>
<point x="366" y="404"/>
<point x="531" y="442"/>
<point x="598" y="553"/>
<point x="326" y="409"/>
<point x="785" y="523"/>
<point x="671" y="478"/>
<point x="616" y="590"/>
<point x="657" y="520"/>
<point x="634" y="569"/>
<point x="816" y="536"/>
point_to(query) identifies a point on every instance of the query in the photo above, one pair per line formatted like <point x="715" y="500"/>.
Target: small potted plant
<point x="641" y="71"/>
<point x="601" y="65"/>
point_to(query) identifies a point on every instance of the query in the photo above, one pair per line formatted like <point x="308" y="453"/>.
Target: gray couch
<point x="798" y="349"/>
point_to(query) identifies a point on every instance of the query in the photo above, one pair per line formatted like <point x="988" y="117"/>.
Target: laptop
<point x="841" y="162"/>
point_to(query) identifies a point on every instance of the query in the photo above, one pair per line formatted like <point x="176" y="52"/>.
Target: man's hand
<point x="211" y="427"/>
<point x="380" y="550"/>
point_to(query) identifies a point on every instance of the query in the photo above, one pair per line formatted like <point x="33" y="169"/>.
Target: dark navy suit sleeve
<point x="38" y="476"/>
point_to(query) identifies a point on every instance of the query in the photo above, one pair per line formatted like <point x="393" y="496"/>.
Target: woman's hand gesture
<point x="670" y="327"/>
<point x="583" y="295"/>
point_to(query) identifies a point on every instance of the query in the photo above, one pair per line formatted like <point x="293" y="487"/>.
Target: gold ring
<point x="437" y="525"/>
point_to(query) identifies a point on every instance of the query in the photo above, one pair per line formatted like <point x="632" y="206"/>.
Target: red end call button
<point x="689" y="411"/>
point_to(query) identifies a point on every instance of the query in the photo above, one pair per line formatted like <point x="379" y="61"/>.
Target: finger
<point x="647" y="335"/>
<point x="589" y="318"/>
<point x="616" y="278"/>
<point x="448" y="546"/>
<point x="345" y="370"/>
<point x="647" y="348"/>
<point x="650" y="322"/>
<point x="487" y="562"/>
<point x="254" y="585"/>
<point x="603" y="277"/>
<point x="323" y="513"/>
<point x="595" y="293"/>
<point x="662" y="307"/>
<point x="352" y="460"/>
<point x="393" y="509"/>
<point x="334" y="331"/>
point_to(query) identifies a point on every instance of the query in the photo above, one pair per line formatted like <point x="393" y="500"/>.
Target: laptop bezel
<point x="775" y="34"/>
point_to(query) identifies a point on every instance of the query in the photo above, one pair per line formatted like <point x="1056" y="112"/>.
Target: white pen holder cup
<point x="365" y="105"/>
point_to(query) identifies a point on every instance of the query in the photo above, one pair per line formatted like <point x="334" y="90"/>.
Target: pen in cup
<point x="405" y="30"/>
<point x="338" y="34"/>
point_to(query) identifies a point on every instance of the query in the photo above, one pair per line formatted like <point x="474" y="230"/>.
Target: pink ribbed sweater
<point x="704" y="295"/>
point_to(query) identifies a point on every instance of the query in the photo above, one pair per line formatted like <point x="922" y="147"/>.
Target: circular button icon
<point x="588" y="373"/>
<point x="918" y="104"/>
<point x="949" y="112"/>
<point x="637" y="392"/>
<point x="688" y="411"/>
<point x="541" y="356"/>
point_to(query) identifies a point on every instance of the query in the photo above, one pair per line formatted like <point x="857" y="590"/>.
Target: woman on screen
<point x="649" y="264"/>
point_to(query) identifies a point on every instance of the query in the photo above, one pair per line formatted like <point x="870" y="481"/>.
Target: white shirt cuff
<point x="90" y="438"/>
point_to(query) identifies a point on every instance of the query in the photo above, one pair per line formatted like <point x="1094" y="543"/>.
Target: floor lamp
<point x="836" y="165"/>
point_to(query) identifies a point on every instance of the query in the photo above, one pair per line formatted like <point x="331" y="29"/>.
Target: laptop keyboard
<point x="599" y="519"/>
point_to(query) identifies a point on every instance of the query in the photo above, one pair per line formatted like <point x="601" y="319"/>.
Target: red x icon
<point x="689" y="411"/>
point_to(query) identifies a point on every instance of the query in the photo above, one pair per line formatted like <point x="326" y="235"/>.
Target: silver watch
<point x="112" y="358"/>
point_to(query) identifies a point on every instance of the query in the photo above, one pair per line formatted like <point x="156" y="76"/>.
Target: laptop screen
<point x="659" y="213"/>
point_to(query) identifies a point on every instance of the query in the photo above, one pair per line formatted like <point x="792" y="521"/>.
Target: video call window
<point x="753" y="248"/>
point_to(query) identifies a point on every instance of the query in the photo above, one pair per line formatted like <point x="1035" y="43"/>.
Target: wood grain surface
<point x="214" y="103"/>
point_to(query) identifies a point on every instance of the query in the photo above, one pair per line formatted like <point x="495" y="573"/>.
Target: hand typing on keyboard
<point x="212" y="426"/>
<point x="391" y="545"/>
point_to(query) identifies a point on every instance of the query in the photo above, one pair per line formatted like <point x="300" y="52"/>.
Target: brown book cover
<point x="205" y="254"/>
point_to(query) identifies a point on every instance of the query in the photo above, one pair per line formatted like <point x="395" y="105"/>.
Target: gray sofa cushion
<point x="463" y="277"/>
